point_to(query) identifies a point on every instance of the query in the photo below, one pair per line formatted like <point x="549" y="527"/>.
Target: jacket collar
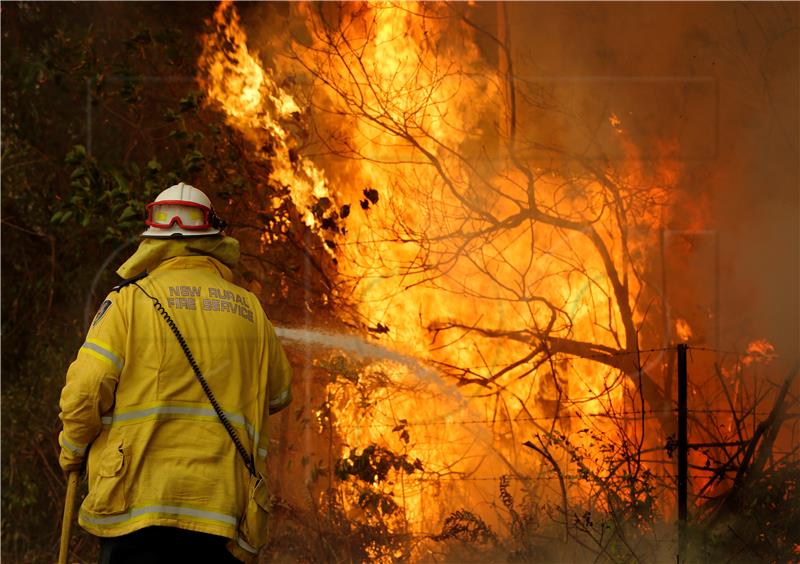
<point x="196" y="262"/>
<point x="218" y="253"/>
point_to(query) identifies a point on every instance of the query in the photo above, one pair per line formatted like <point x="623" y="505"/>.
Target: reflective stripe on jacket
<point x="157" y="453"/>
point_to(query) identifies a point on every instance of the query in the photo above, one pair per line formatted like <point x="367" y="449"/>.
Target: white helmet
<point x="181" y="211"/>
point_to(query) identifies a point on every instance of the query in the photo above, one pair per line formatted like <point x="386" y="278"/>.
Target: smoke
<point x="720" y="82"/>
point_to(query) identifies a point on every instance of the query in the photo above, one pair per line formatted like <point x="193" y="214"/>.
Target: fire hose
<point x="69" y="511"/>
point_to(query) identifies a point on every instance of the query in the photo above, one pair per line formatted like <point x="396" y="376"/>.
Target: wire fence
<point x="715" y="455"/>
<point x="630" y="415"/>
<point x="588" y="473"/>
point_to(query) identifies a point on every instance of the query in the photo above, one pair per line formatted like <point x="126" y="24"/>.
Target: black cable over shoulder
<point x="129" y="281"/>
<point x="247" y="457"/>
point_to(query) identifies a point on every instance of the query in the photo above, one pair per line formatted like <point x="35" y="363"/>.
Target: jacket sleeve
<point x="280" y="373"/>
<point x="279" y="380"/>
<point x="91" y="382"/>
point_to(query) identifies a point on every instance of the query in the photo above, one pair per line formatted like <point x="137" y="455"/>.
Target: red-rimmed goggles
<point x="188" y="215"/>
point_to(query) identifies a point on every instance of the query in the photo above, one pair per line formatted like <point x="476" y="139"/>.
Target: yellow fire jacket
<point x="157" y="452"/>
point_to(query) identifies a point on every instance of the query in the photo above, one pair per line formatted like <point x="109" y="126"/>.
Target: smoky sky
<point x="721" y="80"/>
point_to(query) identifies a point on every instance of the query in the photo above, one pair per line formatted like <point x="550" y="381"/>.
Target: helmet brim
<point x="176" y="232"/>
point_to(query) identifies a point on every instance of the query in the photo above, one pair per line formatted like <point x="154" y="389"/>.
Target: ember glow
<point x="521" y="280"/>
<point x="683" y="330"/>
<point x="759" y="350"/>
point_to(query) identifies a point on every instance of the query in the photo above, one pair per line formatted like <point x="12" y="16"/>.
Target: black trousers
<point x="165" y="545"/>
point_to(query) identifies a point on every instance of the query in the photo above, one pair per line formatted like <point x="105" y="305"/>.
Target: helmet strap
<point x="215" y="221"/>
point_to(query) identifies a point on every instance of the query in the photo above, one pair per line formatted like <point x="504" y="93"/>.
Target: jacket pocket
<point x="108" y="493"/>
<point x="254" y="526"/>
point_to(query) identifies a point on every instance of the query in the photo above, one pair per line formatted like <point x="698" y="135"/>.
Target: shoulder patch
<point x="124" y="283"/>
<point x="104" y="307"/>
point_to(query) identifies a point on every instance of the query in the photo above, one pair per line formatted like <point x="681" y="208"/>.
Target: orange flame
<point x="428" y="261"/>
<point x="257" y="106"/>
<point x="759" y="350"/>
<point x="683" y="330"/>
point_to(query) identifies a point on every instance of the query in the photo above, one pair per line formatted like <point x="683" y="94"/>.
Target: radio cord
<point x="247" y="457"/>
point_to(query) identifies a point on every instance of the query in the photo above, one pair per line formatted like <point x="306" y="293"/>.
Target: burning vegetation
<point x="517" y="268"/>
<point x="483" y="232"/>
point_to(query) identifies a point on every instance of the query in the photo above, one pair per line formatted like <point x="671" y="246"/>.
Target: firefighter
<point x="166" y="483"/>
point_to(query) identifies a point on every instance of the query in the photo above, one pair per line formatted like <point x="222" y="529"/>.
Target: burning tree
<point x="408" y="174"/>
<point x="515" y="258"/>
<point x="539" y="260"/>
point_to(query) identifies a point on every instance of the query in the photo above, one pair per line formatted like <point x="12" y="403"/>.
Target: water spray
<point x="365" y="349"/>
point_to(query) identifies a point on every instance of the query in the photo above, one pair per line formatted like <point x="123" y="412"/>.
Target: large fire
<point x="257" y="106"/>
<point x="520" y="280"/>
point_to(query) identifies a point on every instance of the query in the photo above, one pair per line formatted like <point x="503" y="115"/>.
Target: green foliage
<point x="107" y="202"/>
<point x="33" y="485"/>
<point x="101" y="111"/>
